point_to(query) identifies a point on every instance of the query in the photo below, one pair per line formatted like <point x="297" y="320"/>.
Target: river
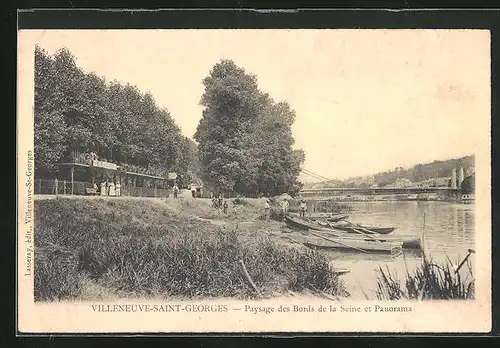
<point x="448" y="232"/>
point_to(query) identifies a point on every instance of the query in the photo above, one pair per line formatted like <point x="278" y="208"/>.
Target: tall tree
<point x="231" y="105"/>
<point x="245" y="138"/>
<point x="50" y="131"/>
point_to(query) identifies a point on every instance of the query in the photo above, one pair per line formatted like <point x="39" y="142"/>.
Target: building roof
<point x="128" y="173"/>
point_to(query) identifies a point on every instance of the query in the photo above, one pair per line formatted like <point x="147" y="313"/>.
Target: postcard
<point x="254" y="181"/>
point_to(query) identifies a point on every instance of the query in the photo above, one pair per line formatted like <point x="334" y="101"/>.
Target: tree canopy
<point x="468" y="185"/>
<point x="78" y="112"/>
<point x="245" y="138"/>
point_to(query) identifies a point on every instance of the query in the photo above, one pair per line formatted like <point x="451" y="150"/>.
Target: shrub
<point x="240" y="201"/>
<point x="276" y="214"/>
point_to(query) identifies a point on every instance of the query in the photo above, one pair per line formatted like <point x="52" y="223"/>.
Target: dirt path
<point x="215" y="222"/>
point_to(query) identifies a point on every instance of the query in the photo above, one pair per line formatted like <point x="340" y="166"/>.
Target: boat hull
<point x="379" y="230"/>
<point x="297" y="223"/>
<point x="408" y="242"/>
<point x="316" y="239"/>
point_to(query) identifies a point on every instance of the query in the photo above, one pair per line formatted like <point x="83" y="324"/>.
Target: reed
<point x="431" y="281"/>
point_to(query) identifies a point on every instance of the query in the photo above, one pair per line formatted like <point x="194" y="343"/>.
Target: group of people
<point x="109" y="189"/>
<point x="218" y="202"/>
<point x="176" y="190"/>
<point x="285" y="205"/>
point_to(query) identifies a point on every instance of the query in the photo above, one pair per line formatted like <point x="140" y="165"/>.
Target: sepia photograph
<point x="237" y="176"/>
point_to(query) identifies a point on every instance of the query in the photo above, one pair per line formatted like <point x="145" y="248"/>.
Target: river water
<point x="448" y="232"/>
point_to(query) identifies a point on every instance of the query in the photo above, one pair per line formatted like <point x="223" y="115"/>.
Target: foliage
<point x="421" y="172"/>
<point x="334" y="207"/>
<point x="245" y="139"/>
<point x="468" y="185"/>
<point x="429" y="281"/>
<point x="417" y="173"/>
<point x="139" y="249"/>
<point x="277" y="214"/>
<point x="240" y="201"/>
<point x="78" y="112"/>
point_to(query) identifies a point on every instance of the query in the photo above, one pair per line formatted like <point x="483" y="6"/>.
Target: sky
<point x="366" y="100"/>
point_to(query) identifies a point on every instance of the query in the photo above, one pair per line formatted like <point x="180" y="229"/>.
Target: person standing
<point x="118" y="188"/>
<point x="267" y="209"/>
<point x="193" y="191"/>
<point x="303" y="208"/>
<point x="284" y="206"/>
<point x="112" y="191"/>
<point x="176" y="190"/>
<point x="225" y="207"/>
<point x="103" y="188"/>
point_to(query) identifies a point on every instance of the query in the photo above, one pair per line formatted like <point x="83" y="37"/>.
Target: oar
<point x="358" y="230"/>
<point x="363" y="233"/>
<point x="331" y="240"/>
<point x="355" y="230"/>
<point x="359" y="227"/>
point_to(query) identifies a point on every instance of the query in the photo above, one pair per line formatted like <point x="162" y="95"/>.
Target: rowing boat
<point x="327" y="216"/>
<point x="302" y="224"/>
<point x="317" y="239"/>
<point x="353" y="228"/>
<point x="408" y="242"/>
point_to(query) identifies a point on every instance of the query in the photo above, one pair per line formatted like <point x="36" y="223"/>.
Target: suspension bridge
<point x="368" y="191"/>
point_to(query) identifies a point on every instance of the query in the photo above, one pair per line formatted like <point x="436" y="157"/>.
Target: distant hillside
<point x="417" y="173"/>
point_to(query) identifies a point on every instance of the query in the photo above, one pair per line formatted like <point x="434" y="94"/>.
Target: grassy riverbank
<point x="97" y="248"/>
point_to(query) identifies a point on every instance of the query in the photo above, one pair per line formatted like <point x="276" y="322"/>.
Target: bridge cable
<point x="313" y="175"/>
<point x="317" y="175"/>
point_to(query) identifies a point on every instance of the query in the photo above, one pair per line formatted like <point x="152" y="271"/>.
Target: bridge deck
<point x="378" y="190"/>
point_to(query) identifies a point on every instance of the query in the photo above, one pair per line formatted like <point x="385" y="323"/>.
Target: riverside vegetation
<point x="101" y="249"/>
<point x="429" y="281"/>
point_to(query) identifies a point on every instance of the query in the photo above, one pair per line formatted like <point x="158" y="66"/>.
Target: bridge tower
<point x="461" y="177"/>
<point x="454" y="178"/>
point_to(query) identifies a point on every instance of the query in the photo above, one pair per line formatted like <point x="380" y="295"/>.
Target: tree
<point x="245" y="139"/>
<point x="78" y="112"/>
<point x="231" y="105"/>
<point x="468" y="185"/>
<point x="50" y="132"/>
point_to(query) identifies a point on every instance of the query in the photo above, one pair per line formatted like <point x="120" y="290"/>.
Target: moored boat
<point x="295" y="222"/>
<point x="327" y="217"/>
<point x="337" y="218"/>
<point x="354" y="228"/>
<point x="317" y="239"/>
<point x="408" y="241"/>
<point x="379" y="230"/>
<point x="354" y="235"/>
